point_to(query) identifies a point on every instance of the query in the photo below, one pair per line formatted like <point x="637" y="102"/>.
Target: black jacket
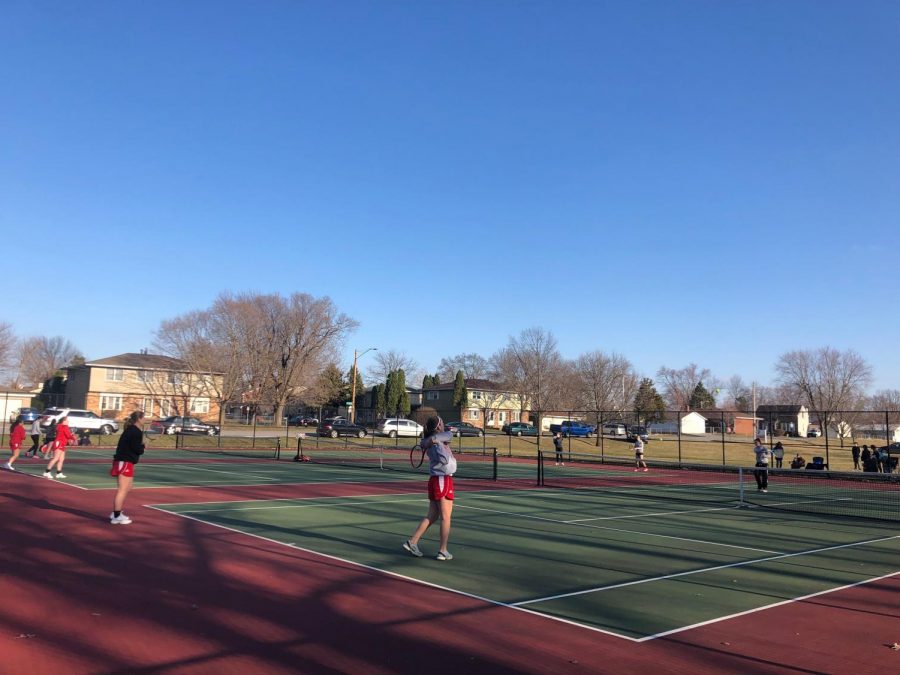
<point x="131" y="445"/>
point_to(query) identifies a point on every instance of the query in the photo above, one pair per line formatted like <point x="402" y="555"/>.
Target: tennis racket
<point x="416" y="456"/>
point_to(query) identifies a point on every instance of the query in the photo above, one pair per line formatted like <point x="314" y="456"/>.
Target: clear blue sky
<point x="716" y="182"/>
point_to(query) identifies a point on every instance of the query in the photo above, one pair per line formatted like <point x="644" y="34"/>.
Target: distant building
<point x="784" y="420"/>
<point x="158" y="385"/>
<point x="490" y="406"/>
<point x="692" y="423"/>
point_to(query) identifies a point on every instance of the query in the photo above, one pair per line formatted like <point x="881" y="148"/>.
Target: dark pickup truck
<point x="573" y="428"/>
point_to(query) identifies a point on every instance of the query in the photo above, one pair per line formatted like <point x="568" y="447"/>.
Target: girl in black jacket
<point x="128" y="453"/>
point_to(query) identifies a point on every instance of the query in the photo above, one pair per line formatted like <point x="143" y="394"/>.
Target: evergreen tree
<point x="427" y="381"/>
<point x="648" y="404"/>
<point x="403" y="404"/>
<point x="391" y="394"/>
<point x="701" y="399"/>
<point x="460" y="393"/>
<point x="379" y="400"/>
<point x="436" y="380"/>
<point x="330" y="386"/>
<point x="347" y="389"/>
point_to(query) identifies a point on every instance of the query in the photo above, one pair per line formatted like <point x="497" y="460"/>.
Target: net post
<point x="742" y="504"/>
<point x="277" y="448"/>
<point x="494" y="459"/>
<point x="540" y="468"/>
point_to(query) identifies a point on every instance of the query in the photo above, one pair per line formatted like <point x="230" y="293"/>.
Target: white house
<point x="877" y="431"/>
<point x="692" y="423"/>
<point x="11" y="400"/>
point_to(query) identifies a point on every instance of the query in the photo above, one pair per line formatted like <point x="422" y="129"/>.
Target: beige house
<point x="490" y="407"/>
<point x="11" y="400"/>
<point x="159" y="385"/>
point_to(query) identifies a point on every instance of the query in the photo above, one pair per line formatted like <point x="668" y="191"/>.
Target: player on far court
<point x="639" y="463"/>
<point x="441" y="467"/>
<point x="58" y="447"/>
<point x="761" y="473"/>
<point x="16" y="436"/>
<point x="128" y="453"/>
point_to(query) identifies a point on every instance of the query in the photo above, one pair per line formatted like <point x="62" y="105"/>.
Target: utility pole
<point x="353" y="384"/>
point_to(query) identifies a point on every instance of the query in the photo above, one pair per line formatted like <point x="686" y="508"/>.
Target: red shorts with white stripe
<point x="120" y="468"/>
<point x="440" y="487"/>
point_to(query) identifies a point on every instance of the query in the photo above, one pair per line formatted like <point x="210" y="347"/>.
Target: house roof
<point x="141" y="361"/>
<point x="471" y="383"/>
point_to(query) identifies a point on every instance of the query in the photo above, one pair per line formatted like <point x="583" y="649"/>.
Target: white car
<point x="80" y="420"/>
<point x="394" y="427"/>
<point x="615" y="429"/>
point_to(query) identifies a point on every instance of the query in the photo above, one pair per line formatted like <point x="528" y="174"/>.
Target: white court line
<point x="230" y="473"/>
<point x="402" y="577"/>
<point x="39" y="476"/>
<point x="701" y="571"/>
<point x="331" y="505"/>
<point x="617" y="529"/>
<point x="647" y="515"/>
<point x="759" y="609"/>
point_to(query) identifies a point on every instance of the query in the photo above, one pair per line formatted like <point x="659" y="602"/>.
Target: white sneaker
<point x="61" y="475"/>
<point x="8" y="467"/>
<point x="444" y="555"/>
<point x="412" y="548"/>
<point x="121" y="520"/>
<point x="49" y="475"/>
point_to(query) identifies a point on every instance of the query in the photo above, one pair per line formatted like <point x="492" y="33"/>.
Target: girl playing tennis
<point x="441" y="467"/>
<point x="63" y="437"/>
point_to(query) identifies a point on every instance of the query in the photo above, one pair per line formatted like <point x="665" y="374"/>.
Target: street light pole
<point x="353" y="385"/>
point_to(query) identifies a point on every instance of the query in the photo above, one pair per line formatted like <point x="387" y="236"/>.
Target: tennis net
<point x="480" y="463"/>
<point x="831" y="493"/>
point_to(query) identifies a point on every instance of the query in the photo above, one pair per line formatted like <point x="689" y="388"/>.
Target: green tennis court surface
<point x="611" y="561"/>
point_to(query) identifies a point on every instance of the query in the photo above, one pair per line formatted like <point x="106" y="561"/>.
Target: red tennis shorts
<point x="440" y="487"/>
<point x="120" y="468"/>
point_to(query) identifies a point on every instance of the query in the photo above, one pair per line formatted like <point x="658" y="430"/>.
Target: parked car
<point x="395" y="426"/>
<point x="28" y="415"/>
<point x="182" y="425"/>
<point x="813" y="433"/>
<point x="573" y="428"/>
<point x="337" y="426"/>
<point x="463" y="429"/>
<point x="635" y="432"/>
<point x="302" y="421"/>
<point x="80" y="420"/>
<point x="615" y="429"/>
<point x="519" y="429"/>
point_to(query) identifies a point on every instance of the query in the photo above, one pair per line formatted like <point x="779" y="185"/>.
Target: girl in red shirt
<point x="16" y="436"/>
<point x="63" y="437"/>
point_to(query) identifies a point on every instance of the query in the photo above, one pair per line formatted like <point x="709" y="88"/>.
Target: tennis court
<point x="591" y="545"/>
<point x="637" y="555"/>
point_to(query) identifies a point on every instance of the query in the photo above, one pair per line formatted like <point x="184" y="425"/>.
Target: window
<point x="432" y="395"/>
<point x="114" y="375"/>
<point x="165" y="408"/>
<point x="144" y="376"/>
<point x="473" y="414"/>
<point x="147" y="404"/>
<point x="174" y="378"/>
<point x="502" y="416"/>
<point x="477" y="395"/>
<point x="110" y="401"/>
<point x="200" y="406"/>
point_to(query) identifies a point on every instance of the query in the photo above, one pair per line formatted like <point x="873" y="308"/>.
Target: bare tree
<point x="41" y="357"/>
<point x="830" y="382"/>
<point x="825" y="379"/>
<point x="473" y="366"/>
<point x="531" y="365"/>
<point x="605" y="381"/>
<point x="679" y="385"/>
<point x="269" y="347"/>
<point x="391" y="360"/>
<point x="884" y="399"/>
<point x="738" y="394"/>
<point x="8" y="344"/>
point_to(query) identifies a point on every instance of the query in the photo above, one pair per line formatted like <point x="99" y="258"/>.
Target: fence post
<point x="679" y="437"/>
<point x="825" y="433"/>
<point x="722" y="414"/>
<point x="600" y="432"/>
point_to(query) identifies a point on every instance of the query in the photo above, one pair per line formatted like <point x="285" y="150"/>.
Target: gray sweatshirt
<point x="441" y="461"/>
